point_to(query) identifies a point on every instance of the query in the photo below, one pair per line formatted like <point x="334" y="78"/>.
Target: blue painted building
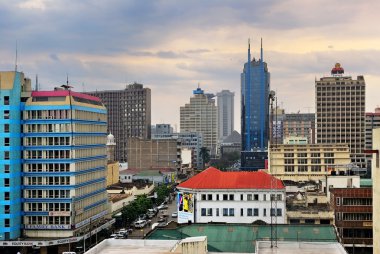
<point x="12" y="84"/>
<point x="255" y="87"/>
<point x="52" y="161"/>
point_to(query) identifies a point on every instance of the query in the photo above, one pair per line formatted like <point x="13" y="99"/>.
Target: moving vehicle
<point x="140" y="223"/>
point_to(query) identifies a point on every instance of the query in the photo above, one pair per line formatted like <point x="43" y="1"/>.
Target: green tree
<point x="204" y="153"/>
<point x="162" y="192"/>
<point x="134" y="209"/>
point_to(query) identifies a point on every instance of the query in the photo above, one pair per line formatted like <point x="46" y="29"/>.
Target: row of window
<point x="38" y="220"/>
<point x="247" y="197"/>
<point x="312" y="161"/>
<point x="354" y="201"/>
<point x="314" y="168"/>
<point x="47" y="207"/>
<point x="231" y="212"/>
<point x="64" y="154"/>
<point x="304" y="155"/>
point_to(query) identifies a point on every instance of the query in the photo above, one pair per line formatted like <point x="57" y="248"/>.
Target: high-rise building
<point x="376" y="189"/>
<point x="299" y="124"/>
<point x="53" y="161"/>
<point x="162" y="128"/>
<point x="255" y="86"/>
<point x="14" y="90"/>
<point x="201" y="115"/>
<point x="372" y="121"/>
<point x="225" y="102"/>
<point x="129" y="115"/>
<point x="64" y="163"/>
<point x="340" y="116"/>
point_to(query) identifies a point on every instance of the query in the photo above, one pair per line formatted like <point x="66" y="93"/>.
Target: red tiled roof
<point x="213" y="178"/>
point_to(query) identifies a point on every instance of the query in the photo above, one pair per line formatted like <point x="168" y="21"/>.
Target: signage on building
<point x="185" y="205"/>
<point x="87" y="221"/>
<point x="52" y="226"/>
<point x="367" y="224"/>
<point x="56" y="242"/>
<point x="59" y="213"/>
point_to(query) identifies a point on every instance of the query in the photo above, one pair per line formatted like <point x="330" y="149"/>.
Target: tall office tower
<point x="201" y="115"/>
<point x="277" y="125"/>
<point x="13" y="88"/>
<point x="255" y="86"/>
<point x="372" y="121"/>
<point x="129" y="115"/>
<point x="225" y="102"/>
<point x="64" y="163"/>
<point x="340" y="116"/>
<point x="301" y="125"/>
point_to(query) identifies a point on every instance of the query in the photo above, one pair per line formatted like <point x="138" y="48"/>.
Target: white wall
<point x="341" y="182"/>
<point x="237" y="204"/>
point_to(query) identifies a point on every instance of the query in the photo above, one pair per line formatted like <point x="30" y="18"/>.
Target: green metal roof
<point x="365" y="182"/>
<point x="240" y="238"/>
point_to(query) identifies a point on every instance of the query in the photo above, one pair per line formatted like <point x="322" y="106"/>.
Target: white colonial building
<point x="231" y="197"/>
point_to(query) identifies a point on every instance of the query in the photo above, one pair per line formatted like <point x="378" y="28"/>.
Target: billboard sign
<point x="185" y="207"/>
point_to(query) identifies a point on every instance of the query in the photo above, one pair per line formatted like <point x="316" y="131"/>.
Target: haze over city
<point x="170" y="47"/>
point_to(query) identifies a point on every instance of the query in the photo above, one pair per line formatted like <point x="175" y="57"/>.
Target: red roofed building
<point x="230" y="197"/>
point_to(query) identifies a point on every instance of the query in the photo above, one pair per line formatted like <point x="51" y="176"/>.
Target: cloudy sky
<point x="170" y="46"/>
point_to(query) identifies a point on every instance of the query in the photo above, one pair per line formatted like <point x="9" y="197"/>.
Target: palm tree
<point x="204" y="153"/>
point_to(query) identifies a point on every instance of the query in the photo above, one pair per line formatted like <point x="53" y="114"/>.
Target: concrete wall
<point x="376" y="193"/>
<point x="112" y="173"/>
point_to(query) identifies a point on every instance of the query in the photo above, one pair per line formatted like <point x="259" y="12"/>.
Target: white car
<point x="174" y="215"/>
<point x="140" y="224"/>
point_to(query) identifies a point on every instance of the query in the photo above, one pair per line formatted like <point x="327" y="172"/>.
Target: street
<point x="140" y="233"/>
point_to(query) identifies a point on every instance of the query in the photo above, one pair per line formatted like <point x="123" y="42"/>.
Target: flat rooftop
<point x="121" y="246"/>
<point x="264" y="247"/>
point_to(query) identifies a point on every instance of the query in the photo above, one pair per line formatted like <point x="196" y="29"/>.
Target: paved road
<point x="139" y="233"/>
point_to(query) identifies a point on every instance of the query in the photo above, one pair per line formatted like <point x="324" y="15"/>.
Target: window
<point x="256" y="212"/>
<point x="225" y="211"/>
<point x="225" y="197"/>
<point x="6" y="168"/>
<point x="317" y="155"/>
<point x="7" y="209"/>
<point x="6" y="127"/>
<point x="6" y="141"/>
<point x="203" y="212"/>
<point x="302" y="155"/>
<point x="249" y="212"/>
<point x="241" y="197"/>
<point x="316" y="161"/>
<point x="329" y="161"/>
<point x="265" y="197"/>
<point x="231" y="196"/>
<point x="329" y="155"/>
<point x="279" y="197"/>
<point x="265" y="211"/>
<point x="6" y="100"/>
<point x="309" y="221"/>
<point x="316" y="168"/>
<point x="7" y="223"/>
<point x="232" y="212"/>
<point x="6" y="182"/>
<point x="203" y="197"/>
<point x="256" y="197"/>
<point x="6" y="195"/>
<point x="289" y="161"/>
<point x="289" y="168"/>
<point x="6" y="114"/>
<point x="289" y="155"/>
<point x="249" y="197"/>
<point x="241" y="212"/>
<point x="302" y="161"/>
<point x="217" y="196"/>
<point x="302" y="168"/>
<point x="209" y="211"/>
<point x="217" y="211"/>
<point x="6" y="155"/>
<point x="209" y="197"/>
<point x="279" y="212"/>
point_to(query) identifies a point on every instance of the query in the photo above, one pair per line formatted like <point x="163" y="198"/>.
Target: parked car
<point x="113" y="236"/>
<point x="140" y="223"/>
<point x="161" y="219"/>
<point x="174" y="215"/>
<point x="162" y="207"/>
<point x="164" y="213"/>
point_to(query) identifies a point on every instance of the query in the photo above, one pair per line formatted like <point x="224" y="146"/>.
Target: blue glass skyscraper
<point x="255" y="87"/>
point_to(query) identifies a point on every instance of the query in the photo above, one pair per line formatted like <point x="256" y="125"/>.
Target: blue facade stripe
<point x="47" y="200"/>
<point x="62" y="187"/>
<point x="13" y="201"/>
<point x="62" y="134"/>
<point x="12" y="215"/>
<point x="10" y="229"/>
<point x="61" y="121"/>
<point x="63" y="107"/>
<point x="90" y="194"/>
<point x="68" y="147"/>
<point x="39" y="161"/>
<point x="95" y="204"/>
<point x="36" y="213"/>
<point x="30" y="174"/>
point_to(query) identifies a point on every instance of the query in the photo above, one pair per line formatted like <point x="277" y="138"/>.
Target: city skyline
<point x="171" y="47"/>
